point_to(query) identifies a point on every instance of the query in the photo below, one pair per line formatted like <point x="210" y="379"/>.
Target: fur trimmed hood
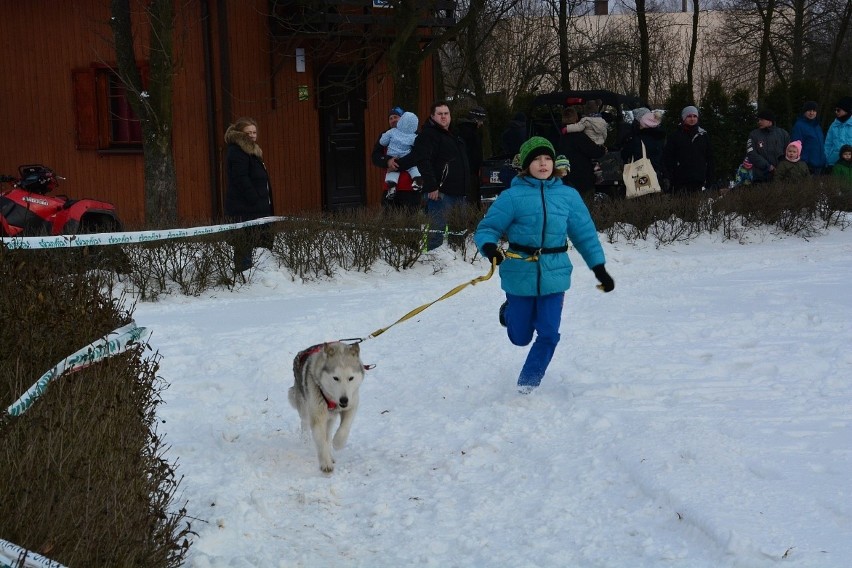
<point x="241" y="139"/>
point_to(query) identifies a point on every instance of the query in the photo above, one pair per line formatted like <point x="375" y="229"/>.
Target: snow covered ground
<point x="698" y="416"/>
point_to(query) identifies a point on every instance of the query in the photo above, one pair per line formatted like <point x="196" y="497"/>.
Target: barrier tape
<point x="115" y="342"/>
<point x="13" y="556"/>
<point x="137" y="237"/>
<point x="130" y="237"/>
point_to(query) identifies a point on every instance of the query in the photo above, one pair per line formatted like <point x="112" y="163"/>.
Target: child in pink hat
<point x="792" y="168"/>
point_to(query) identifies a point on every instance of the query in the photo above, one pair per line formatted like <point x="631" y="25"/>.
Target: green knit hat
<point x="534" y="147"/>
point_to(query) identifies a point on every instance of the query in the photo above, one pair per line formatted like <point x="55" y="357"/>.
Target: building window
<point x="124" y="127"/>
<point x="104" y="119"/>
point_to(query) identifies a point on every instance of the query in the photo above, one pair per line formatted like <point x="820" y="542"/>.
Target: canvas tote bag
<point x="640" y="178"/>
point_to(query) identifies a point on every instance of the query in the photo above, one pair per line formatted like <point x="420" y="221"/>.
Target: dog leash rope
<point x="416" y="311"/>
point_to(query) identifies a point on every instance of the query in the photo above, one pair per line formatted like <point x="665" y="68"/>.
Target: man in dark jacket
<point x="514" y="135"/>
<point x="442" y="159"/>
<point x="688" y="155"/>
<point x="766" y="146"/>
<point x="470" y="131"/>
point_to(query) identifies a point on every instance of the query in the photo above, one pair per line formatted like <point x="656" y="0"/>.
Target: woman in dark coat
<point x="249" y="195"/>
<point x="646" y="130"/>
<point x="581" y="152"/>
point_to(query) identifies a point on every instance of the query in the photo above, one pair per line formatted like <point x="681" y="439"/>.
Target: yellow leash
<point x="452" y="292"/>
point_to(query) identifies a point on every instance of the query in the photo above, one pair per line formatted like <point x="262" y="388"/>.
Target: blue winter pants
<point x="437" y="211"/>
<point x="541" y="315"/>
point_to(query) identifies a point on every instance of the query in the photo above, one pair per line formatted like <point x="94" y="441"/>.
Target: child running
<point x="538" y="214"/>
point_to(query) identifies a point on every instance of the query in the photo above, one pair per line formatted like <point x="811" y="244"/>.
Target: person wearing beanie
<point x="766" y="146"/>
<point x="807" y="128"/>
<point x="441" y="156"/>
<point x="403" y="195"/>
<point x="766" y="115"/>
<point x="689" y="111"/>
<point x="792" y="168"/>
<point x="538" y="214"/>
<point x="840" y="131"/>
<point x="743" y="175"/>
<point x="582" y="153"/>
<point x="638" y="113"/>
<point x="561" y="166"/>
<point x="842" y="169"/>
<point x="646" y="130"/>
<point x="688" y="155"/>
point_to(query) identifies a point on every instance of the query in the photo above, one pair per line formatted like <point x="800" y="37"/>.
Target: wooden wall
<point x="43" y="41"/>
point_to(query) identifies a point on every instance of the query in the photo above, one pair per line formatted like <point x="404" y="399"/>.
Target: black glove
<point x="607" y="283"/>
<point x="493" y="252"/>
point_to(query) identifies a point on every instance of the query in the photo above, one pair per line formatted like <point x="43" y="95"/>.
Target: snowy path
<point x="701" y="416"/>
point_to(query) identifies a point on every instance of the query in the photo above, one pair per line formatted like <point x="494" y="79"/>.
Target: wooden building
<point x="61" y="103"/>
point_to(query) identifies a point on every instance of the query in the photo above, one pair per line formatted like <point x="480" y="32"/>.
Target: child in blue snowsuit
<point x="538" y="214"/>
<point x="399" y="141"/>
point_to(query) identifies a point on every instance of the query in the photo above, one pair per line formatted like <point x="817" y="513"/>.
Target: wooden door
<point x="341" y="99"/>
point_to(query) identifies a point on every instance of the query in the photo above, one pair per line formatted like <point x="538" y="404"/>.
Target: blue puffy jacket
<point x="813" y="141"/>
<point x="839" y="134"/>
<point x="540" y="214"/>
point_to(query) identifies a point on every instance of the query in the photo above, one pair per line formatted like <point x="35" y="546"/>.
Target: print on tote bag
<point x="640" y="178"/>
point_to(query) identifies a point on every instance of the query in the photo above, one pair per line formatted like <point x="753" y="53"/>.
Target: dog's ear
<point x="355" y="349"/>
<point x="329" y="349"/>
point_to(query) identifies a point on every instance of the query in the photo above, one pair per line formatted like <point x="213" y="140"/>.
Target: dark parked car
<point x="545" y="119"/>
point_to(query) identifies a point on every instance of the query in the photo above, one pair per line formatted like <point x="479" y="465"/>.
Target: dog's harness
<point x="533" y="253"/>
<point x="302" y="357"/>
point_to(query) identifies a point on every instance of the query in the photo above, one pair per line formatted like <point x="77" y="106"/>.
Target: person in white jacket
<point x="592" y="124"/>
<point x="399" y="141"/>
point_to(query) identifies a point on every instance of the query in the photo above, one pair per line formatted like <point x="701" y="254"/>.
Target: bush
<point x="86" y="480"/>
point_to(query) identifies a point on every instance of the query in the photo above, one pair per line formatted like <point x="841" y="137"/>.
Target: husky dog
<point x="327" y="380"/>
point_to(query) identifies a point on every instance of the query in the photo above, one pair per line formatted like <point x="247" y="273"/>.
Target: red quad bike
<point x="26" y="210"/>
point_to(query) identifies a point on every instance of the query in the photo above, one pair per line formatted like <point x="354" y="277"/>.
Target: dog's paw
<point x="327" y="467"/>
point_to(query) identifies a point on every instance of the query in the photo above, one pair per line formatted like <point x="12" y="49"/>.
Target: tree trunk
<point x="765" y="44"/>
<point x="797" y="60"/>
<point x="644" y="52"/>
<point x="472" y="39"/>
<point x="564" y="59"/>
<point x="153" y="106"/>
<point x="843" y="28"/>
<point x="693" y="48"/>
<point x="160" y="186"/>
<point x="404" y="55"/>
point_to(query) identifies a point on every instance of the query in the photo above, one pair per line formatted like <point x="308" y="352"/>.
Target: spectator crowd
<point x="436" y="166"/>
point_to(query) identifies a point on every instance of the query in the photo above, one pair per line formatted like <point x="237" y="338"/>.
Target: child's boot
<point x="391" y="192"/>
<point x="417" y="183"/>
